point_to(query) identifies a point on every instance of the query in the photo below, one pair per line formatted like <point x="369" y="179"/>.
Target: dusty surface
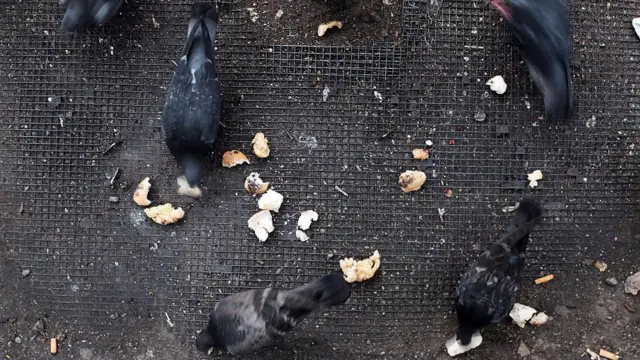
<point x="365" y="22"/>
<point x="585" y="312"/>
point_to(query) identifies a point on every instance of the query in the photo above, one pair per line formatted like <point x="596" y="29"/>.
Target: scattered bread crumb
<point x="497" y="84"/>
<point x="544" y="279"/>
<point x="521" y="314"/>
<point x="260" y="146"/>
<point x="420" y="154"/>
<point x="539" y="319"/>
<point x="360" y="270"/>
<point x="304" y="223"/>
<point x="306" y="217"/>
<point x="141" y="193"/>
<point x="600" y="265"/>
<point x="254" y="185"/>
<point x="234" y="157"/>
<point x="164" y="214"/>
<point x="301" y="235"/>
<point x="185" y="189"/>
<point x="533" y="178"/>
<point x="262" y="224"/>
<point x="322" y="28"/>
<point x="272" y="200"/>
<point x="592" y="354"/>
<point x="411" y="180"/>
<point x="455" y="348"/>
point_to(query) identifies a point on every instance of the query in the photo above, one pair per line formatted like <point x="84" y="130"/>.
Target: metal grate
<point x="102" y="263"/>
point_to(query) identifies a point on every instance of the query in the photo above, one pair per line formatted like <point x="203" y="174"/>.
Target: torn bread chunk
<point x="262" y="224"/>
<point x="141" y="193"/>
<point x="521" y="314"/>
<point x="164" y="214"/>
<point x="260" y="146"/>
<point x="306" y="217"/>
<point x="412" y="180"/>
<point x="254" y="185"/>
<point x="322" y="28"/>
<point x="233" y="158"/>
<point x="186" y="190"/>
<point x="455" y="348"/>
<point x="301" y="235"/>
<point x="271" y="200"/>
<point x="360" y="270"/>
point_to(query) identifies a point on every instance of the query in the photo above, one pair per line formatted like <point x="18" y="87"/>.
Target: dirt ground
<point x="585" y="311"/>
<point x="365" y="22"/>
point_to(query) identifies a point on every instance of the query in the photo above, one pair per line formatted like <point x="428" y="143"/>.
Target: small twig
<point x="388" y="133"/>
<point x="168" y="320"/>
<point x="21" y="208"/>
<point x="223" y="125"/>
<point x="477" y="47"/>
<point x="288" y="134"/>
<point x="341" y="191"/>
<point x="115" y="176"/>
<point x="441" y="213"/>
<point x="111" y="147"/>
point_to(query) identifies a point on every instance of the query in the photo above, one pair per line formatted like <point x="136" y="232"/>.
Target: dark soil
<point x="365" y="22"/>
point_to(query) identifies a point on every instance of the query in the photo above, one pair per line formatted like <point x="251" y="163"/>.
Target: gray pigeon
<point x="247" y="321"/>
<point x="192" y="110"/>
<point x="487" y="291"/>
<point x="81" y="14"/>
<point x="541" y="31"/>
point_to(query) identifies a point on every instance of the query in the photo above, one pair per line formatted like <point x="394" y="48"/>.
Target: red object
<point x="452" y="142"/>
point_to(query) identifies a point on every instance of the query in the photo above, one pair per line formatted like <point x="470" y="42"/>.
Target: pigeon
<point x="540" y="29"/>
<point x="191" y="115"/>
<point x="487" y="291"/>
<point x="81" y="14"/>
<point x="250" y="320"/>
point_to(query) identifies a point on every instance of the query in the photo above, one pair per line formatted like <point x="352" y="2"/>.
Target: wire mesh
<point x="66" y="99"/>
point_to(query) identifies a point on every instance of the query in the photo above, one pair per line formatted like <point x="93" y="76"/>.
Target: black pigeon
<point x="541" y="31"/>
<point x="81" y="14"/>
<point x="192" y="109"/>
<point x="487" y="291"/>
<point x="250" y="320"/>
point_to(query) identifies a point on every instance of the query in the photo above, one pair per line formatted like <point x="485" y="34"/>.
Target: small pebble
<point x="279" y="14"/>
<point x="17" y="340"/>
<point x="611" y="281"/>
<point x="26" y="272"/>
<point x="113" y="199"/>
<point x="523" y="350"/>
<point x="38" y="326"/>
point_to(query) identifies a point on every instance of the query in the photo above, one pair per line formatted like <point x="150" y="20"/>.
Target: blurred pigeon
<point x="541" y="31"/>
<point x="250" y="320"/>
<point x="487" y="291"/>
<point x="192" y="109"/>
<point x="81" y="14"/>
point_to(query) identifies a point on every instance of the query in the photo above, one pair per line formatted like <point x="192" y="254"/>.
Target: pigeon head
<point x="191" y="165"/>
<point x="204" y="341"/>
